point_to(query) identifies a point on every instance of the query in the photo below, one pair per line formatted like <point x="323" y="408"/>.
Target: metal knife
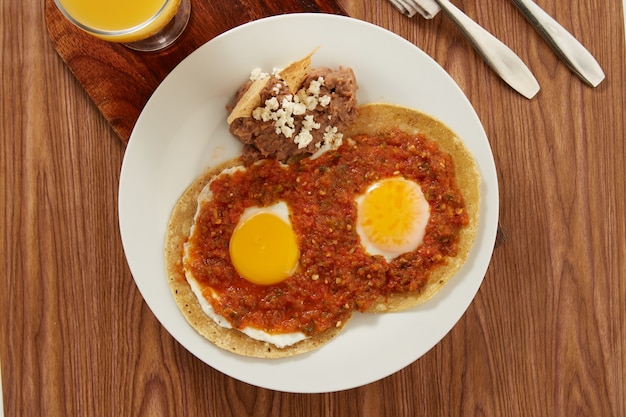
<point x="566" y="46"/>
<point x="498" y="56"/>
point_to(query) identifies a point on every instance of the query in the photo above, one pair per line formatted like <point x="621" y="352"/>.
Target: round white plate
<point x="182" y="131"/>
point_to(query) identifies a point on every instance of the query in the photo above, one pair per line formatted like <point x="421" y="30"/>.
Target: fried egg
<point x="263" y="250"/>
<point x="263" y="247"/>
<point x="392" y="216"/>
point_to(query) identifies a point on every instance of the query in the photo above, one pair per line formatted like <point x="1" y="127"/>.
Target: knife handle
<point x="496" y="54"/>
<point x="566" y="46"/>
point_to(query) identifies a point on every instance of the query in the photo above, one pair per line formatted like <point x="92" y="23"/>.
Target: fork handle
<point x="496" y="54"/>
<point x="566" y="46"/>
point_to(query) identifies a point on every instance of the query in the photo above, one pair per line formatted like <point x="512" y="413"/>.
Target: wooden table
<point x="545" y="336"/>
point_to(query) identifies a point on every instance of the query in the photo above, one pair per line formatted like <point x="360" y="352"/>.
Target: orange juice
<point x="120" y="20"/>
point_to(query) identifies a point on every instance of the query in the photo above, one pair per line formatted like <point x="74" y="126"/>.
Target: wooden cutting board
<point x="120" y="81"/>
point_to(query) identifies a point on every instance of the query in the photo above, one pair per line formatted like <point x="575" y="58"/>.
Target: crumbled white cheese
<point x="305" y="137"/>
<point x="258" y="74"/>
<point x="284" y="123"/>
<point x="310" y="102"/>
<point x="261" y="113"/>
<point x="324" y="100"/>
<point x="288" y="103"/>
<point x="332" y="137"/>
<point x="331" y="141"/>
<point x="282" y="114"/>
<point x="314" y="86"/>
<point x="308" y="123"/>
<point x="299" y="109"/>
<point x="276" y="88"/>
<point x="272" y="104"/>
<point x="293" y="106"/>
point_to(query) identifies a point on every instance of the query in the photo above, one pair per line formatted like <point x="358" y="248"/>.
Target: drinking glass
<point x="142" y="25"/>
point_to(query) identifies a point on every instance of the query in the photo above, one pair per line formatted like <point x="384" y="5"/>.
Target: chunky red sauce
<point x="335" y="276"/>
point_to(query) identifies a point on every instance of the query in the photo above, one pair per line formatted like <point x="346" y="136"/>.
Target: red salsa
<point x="335" y="276"/>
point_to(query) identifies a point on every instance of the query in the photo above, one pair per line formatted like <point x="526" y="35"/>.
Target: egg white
<point x="279" y="340"/>
<point x="279" y="209"/>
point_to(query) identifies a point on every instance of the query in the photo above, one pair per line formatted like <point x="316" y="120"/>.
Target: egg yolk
<point x="392" y="216"/>
<point x="264" y="249"/>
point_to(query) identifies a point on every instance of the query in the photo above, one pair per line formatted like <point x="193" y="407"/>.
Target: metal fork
<point x="497" y="55"/>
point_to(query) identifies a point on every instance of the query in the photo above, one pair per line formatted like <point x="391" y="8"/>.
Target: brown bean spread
<point x="290" y="125"/>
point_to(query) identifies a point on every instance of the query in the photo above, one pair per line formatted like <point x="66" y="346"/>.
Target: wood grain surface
<point x="545" y="335"/>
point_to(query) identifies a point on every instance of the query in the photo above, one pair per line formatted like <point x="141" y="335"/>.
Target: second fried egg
<point x="392" y="217"/>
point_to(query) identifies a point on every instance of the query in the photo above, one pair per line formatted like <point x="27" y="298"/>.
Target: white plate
<point x="182" y="130"/>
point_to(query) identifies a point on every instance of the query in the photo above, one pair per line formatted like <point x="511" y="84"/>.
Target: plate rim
<point x="488" y="238"/>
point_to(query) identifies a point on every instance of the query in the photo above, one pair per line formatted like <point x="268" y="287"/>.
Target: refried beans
<point x="289" y="126"/>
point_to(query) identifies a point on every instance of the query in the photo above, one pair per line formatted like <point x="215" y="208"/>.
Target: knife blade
<point x="566" y="46"/>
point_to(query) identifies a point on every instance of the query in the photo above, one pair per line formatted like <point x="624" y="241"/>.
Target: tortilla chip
<point x="379" y="117"/>
<point x="250" y="100"/>
<point x="295" y="73"/>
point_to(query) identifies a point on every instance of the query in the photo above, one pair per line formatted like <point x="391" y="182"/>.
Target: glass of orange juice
<point x="142" y="25"/>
